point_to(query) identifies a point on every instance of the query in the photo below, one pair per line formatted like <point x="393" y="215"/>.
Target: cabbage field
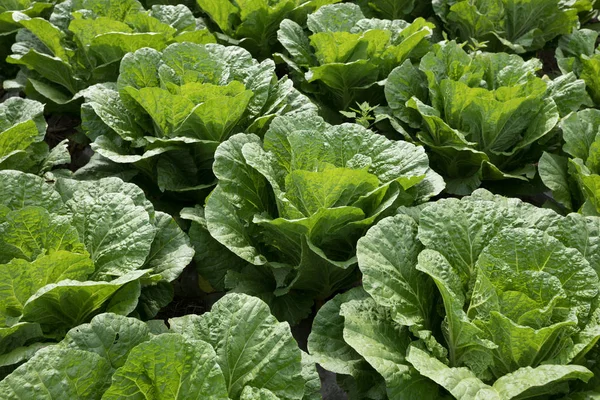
<point x="300" y="199"/>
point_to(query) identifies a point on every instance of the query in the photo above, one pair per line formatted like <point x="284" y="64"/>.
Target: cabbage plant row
<point x="416" y="181"/>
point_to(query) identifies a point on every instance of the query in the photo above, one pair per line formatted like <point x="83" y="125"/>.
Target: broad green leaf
<point x="110" y="47"/>
<point x="32" y="231"/>
<point x="554" y="173"/>
<point x="169" y="367"/>
<point x="589" y="73"/>
<point x="463" y="337"/>
<point x="460" y="382"/>
<point x="326" y="341"/>
<point x="85" y="30"/>
<point x="331" y="187"/>
<point x="292" y="37"/>
<point x="15" y="111"/>
<point x="459" y="230"/>
<point x="109" y="108"/>
<point x="139" y="69"/>
<point x="251" y="393"/>
<point x="22" y="279"/>
<point x="152" y="299"/>
<point x="371" y="331"/>
<point x="222" y="12"/>
<point x="344" y="80"/>
<point x="217" y="114"/>
<point x="55" y="373"/>
<point x="111" y="336"/>
<point x="19" y="190"/>
<point x="505" y="264"/>
<point x="167" y="120"/>
<point x="213" y="260"/>
<point x="580" y="131"/>
<point x="52" y="37"/>
<point x="117" y="233"/>
<point x="68" y="189"/>
<point x="252" y="348"/>
<point x="178" y="16"/>
<point x="529" y="382"/>
<point x="51" y="68"/>
<point x="337" y="18"/>
<point x="312" y="389"/>
<point x="568" y="93"/>
<point x="387" y="257"/>
<point x="15" y="336"/>
<point x="68" y="303"/>
<point x="171" y="251"/>
<point x="228" y="231"/>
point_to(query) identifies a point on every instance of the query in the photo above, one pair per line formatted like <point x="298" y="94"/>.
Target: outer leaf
<point x="19" y="190"/>
<point x="117" y="233"/>
<point x="213" y="260"/>
<point x="111" y="336"/>
<point x="554" y="173"/>
<point x="326" y="341"/>
<point x="169" y="367"/>
<point x="258" y="352"/>
<point x="171" y="251"/>
<point x="69" y="303"/>
<point x="372" y="333"/>
<point x="21" y="279"/>
<point x="536" y="381"/>
<point x="387" y="256"/>
<point x="460" y="382"/>
<point x="55" y="373"/>
<point x="32" y="231"/>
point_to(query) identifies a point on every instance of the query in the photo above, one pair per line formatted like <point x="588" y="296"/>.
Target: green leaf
<point x="326" y="341"/>
<point x="52" y="37"/>
<point x="110" y="110"/>
<point x="139" y="69"/>
<point x="370" y="330"/>
<point x="111" y="336"/>
<point x="21" y="279"/>
<point x="589" y="73"/>
<point x="252" y="348"/>
<point x="460" y="382"/>
<point x="60" y="306"/>
<point x="213" y="260"/>
<point x="19" y="190"/>
<point x="331" y="187"/>
<point x="387" y="257"/>
<point x="312" y="389"/>
<point x="579" y="132"/>
<point x="459" y="230"/>
<point x="169" y="367"/>
<point x="32" y="231"/>
<point x="153" y="298"/>
<point x="51" y="68"/>
<point x="12" y="338"/>
<point x="463" y="337"/>
<point x="251" y="393"/>
<point x="222" y="12"/>
<point x="506" y="264"/>
<point x="568" y="93"/>
<point x="171" y="250"/>
<point x="338" y="18"/>
<point x="529" y="382"/>
<point x="292" y="37"/>
<point x="56" y="372"/>
<point x="554" y="173"/>
<point x="117" y="233"/>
